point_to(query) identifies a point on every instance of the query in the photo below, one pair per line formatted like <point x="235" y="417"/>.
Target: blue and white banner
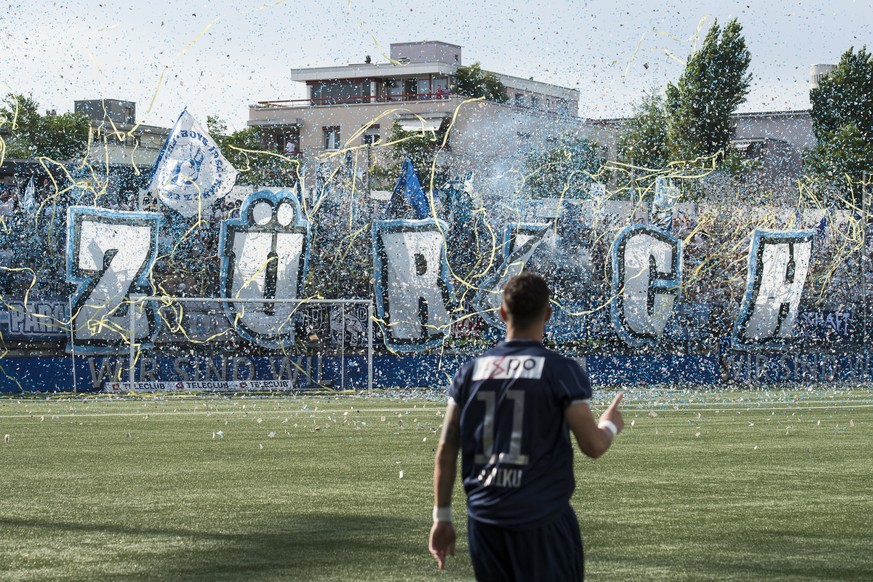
<point x="191" y="173"/>
<point x="520" y="241"/>
<point x="646" y="279"/>
<point x="411" y="282"/>
<point x="35" y="319"/>
<point x="778" y="267"/>
<point x="264" y="255"/>
<point x="110" y="256"/>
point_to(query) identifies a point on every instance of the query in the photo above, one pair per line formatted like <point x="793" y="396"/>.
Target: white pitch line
<point x="216" y="413"/>
<point x="780" y="408"/>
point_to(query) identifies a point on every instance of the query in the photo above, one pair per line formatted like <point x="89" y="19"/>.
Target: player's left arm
<point x="594" y="438"/>
<point x="442" y="534"/>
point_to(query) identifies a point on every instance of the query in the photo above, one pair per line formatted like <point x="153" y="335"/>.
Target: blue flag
<point x="408" y="187"/>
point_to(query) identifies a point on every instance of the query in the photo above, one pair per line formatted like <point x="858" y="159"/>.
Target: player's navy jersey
<point x="517" y="458"/>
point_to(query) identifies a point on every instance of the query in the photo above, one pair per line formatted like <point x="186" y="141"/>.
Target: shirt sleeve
<point x="572" y="384"/>
<point x="457" y="386"/>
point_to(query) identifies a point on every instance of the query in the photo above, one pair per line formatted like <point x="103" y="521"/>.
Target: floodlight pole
<point x="72" y="341"/>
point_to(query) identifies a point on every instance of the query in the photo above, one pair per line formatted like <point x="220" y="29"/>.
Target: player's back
<point x="517" y="454"/>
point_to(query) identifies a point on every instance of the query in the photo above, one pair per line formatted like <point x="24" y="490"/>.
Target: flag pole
<point x="865" y="303"/>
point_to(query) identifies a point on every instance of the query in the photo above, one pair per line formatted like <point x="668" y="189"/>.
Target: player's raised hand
<point x="442" y="542"/>
<point x="613" y="414"/>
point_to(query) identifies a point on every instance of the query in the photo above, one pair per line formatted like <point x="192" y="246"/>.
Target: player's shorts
<point x="551" y="552"/>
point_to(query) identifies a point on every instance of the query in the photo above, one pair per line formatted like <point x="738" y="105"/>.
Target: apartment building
<point x="357" y="104"/>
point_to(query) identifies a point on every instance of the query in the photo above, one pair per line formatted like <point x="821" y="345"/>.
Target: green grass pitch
<point x="774" y="485"/>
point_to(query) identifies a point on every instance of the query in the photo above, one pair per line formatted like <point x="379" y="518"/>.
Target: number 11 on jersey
<point x="513" y="456"/>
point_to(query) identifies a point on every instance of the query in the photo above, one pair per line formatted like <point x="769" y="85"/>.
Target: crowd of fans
<point x="575" y="258"/>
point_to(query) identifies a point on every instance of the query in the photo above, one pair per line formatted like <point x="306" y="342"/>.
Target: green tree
<point x="472" y="81"/>
<point x="842" y="119"/>
<point x="643" y="140"/>
<point x="31" y="135"/>
<point x="566" y="169"/>
<point x="245" y="149"/>
<point x="840" y="159"/>
<point x="216" y="127"/>
<point x="715" y="82"/>
<point x="422" y="148"/>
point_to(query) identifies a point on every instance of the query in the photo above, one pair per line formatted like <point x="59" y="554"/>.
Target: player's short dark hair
<point x="525" y="298"/>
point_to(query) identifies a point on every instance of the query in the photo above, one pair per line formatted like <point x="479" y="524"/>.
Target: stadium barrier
<point x="318" y="372"/>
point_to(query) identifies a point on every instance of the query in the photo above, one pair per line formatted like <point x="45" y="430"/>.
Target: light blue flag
<point x="29" y="203"/>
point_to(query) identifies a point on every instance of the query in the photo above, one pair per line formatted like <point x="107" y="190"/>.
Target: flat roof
<point x="415" y="42"/>
<point x="742" y="115"/>
<point x="370" y="70"/>
<point x="537" y="86"/>
<point x="388" y="70"/>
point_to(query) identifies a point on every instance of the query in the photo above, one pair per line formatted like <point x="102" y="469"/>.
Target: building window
<point x="410" y="89"/>
<point x="424" y="88"/>
<point x="534" y="102"/>
<point x="393" y="89"/>
<point x="340" y="92"/>
<point x="371" y="138"/>
<point x="332" y="137"/>
<point x="519" y="100"/>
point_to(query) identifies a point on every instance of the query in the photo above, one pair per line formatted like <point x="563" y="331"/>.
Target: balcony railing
<point x="327" y="101"/>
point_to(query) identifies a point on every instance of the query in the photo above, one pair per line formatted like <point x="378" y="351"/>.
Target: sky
<point x="218" y="57"/>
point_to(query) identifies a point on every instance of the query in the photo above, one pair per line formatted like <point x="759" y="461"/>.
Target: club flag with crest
<point x="191" y="173"/>
<point x="408" y="188"/>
